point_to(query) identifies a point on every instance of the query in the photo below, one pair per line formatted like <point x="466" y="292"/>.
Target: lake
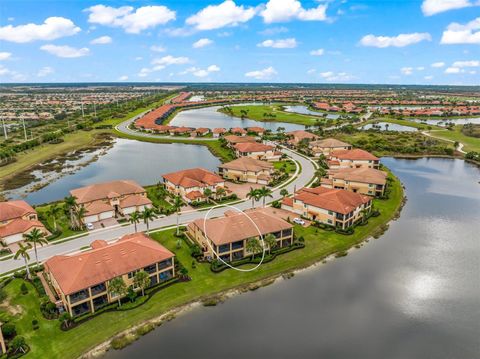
<point x="383" y="126"/>
<point x="443" y="122"/>
<point x="209" y="117"/>
<point x="412" y="293"/>
<point x="304" y="110"/>
<point x="143" y="162"/>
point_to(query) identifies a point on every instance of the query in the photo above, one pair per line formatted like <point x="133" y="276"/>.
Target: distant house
<point x="257" y="151"/>
<point x="191" y="184"/>
<point x="295" y="137"/>
<point x="259" y="131"/>
<point x="178" y="131"/>
<point x="232" y="140"/>
<point x="238" y="131"/>
<point x="364" y="180"/>
<point x="81" y="280"/>
<point x="336" y="207"/>
<point x="111" y="199"/>
<point x="327" y="145"/>
<point x="202" y="131"/>
<point x="353" y="158"/>
<point x="218" y="132"/>
<point x="228" y="235"/>
<point x="247" y="169"/>
<point x="18" y="218"/>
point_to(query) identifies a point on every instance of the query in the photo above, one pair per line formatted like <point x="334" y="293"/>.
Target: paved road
<point x="460" y="145"/>
<point x="304" y="177"/>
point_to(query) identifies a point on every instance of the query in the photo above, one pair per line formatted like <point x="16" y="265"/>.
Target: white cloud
<point x="157" y="48"/>
<point x="273" y="31"/>
<point x="453" y="70"/>
<point x="432" y="7"/>
<point x="131" y="20"/>
<point x="51" y="29"/>
<point x="429" y="77"/>
<point x="264" y="74"/>
<point x="102" y="40"/>
<point x="420" y="68"/>
<point x="170" y="60"/>
<point x="213" y="68"/>
<point x="396" y="41"/>
<point x="462" y="34"/>
<point x="311" y="71"/>
<point x="438" y="64"/>
<point x="5" y="55"/>
<point x="65" y="51"/>
<point x="218" y="16"/>
<point x="318" y="52"/>
<point x="45" y="71"/>
<point x="180" y="31"/>
<point x="123" y="78"/>
<point x="279" y="44"/>
<point x="197" y="72"/>
<point x="286" y="10"/>
<point x="4" y="71"/>
<point x="202" y="43"/>
<point x="406" y="70"/>
<point x="335" y="77"/>
<point x="471" y="63"/>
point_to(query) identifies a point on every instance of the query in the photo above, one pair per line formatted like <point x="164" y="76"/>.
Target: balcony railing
<point x="98" y="289"/>
<point x="77" y="297"/>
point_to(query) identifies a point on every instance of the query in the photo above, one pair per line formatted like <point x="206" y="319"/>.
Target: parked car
<point x="90" y="226"/>
<point x="299" y="221"/>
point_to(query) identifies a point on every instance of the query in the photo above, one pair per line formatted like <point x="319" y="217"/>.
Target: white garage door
<point x="105" y="215"/>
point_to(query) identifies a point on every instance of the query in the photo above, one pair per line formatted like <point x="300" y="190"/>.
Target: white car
<point x="299" y="221"/>
<point x="90" y="226"/>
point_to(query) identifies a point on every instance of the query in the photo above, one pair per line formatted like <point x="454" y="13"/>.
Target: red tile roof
<point x="106" y="190"/>
<point x="14" y="209"/>
<point x="105" y="262"/>
<point x="194" y="177"/>
<point x="20" y="225"/>
<point x="253" y="147"/>
<point x="355" y="154"/>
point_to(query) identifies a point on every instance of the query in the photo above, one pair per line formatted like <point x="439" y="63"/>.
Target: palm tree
<point x="270" y="241"/>
<point x="148" y="214"/>
<point x="253" y="195"/>
<point x="117" y="287"/>
<point x="220" y="192"/>
<point x="177" y="205"/>
<point x="264" y="192"/>
<point x="80" y="212"/>
<point x="134" y="219"/>
<point x="35" y="237"/>
<point x="253" y="246"/>
<point x="363" y="212"/>
<point x="142" y="280"/>
<point x="284" y="192"/>
<point x="207" y="192"/>
<point x="53" y="212"/>
<point x="22" y="251"/>
<point x="70" y="205"/>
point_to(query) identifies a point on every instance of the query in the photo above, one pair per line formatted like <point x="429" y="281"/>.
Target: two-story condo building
<point x="18" y="218"/>
<point x="353" y="158"/>
<point x="191" y="184"/>
<point x="362" y="180"/>
<point x="232" y="140"/>
<point x="81" y="280"/>
<point x="111" y="199"/>
<point x="295" y="137"/>
<point x="247" y="169"/>
<point x="326" y="146"/>
<point x="258" y="151"/>
<point x="227" y="236"/>
<point x="336" y="207"/>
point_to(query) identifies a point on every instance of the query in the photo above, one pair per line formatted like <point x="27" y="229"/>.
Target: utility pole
<point x="4" y="129"/>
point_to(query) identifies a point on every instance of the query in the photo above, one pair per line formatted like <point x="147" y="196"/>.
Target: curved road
<point x="303" y="178"/>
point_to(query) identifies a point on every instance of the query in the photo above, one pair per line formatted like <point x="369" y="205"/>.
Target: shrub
<point x="9" y="330"/>
<point x="24" y="289"/>
<point x="35" y="325"/>
<point x="18" y="344"/>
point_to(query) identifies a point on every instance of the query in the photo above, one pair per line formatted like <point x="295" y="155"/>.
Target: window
<point x="330" y="212"/>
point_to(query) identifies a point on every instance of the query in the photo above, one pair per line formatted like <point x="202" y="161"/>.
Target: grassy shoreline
<point x="49" y="341"/>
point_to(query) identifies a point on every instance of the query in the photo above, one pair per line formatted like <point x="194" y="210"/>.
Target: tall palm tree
<point x="253" y="246"/>
<point x="135" y="218"/>
<point x="80" y="212"/>
<point x="177" y="205"/>
<point x="35" y="237"/>
<point x="270" y="241"/>
<point x="149" y="214"/>
<point x="142" y="280"/>
<point x="207" y="192"/>
<point x="284" y="192"/>
<point x="70" y="205"/>
<point x="53" y="212"/>
<point x="220" y="192"/>
<point x="22" y="251"/>
<point x="265" y="192"/>
<point x="253" y="194"/>
<point x="118" y="288"/>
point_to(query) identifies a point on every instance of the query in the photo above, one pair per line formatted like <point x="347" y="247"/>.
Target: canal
<point x="412" y="293"/>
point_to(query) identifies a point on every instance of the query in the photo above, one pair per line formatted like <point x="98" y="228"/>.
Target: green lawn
<point x="50" y="342"/>
<point x="258" y="113"/>
<point x="157" y="195"/>
<point x="471" y="143"/>
<point x="289" y="166"/>
<point x="63" y="221"/>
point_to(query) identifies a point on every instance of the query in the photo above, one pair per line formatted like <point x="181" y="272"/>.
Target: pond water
<point x="209" y="117"/>
<point x="443" y="122"/>
<point x="383" y="126"/>
<point x="143" y="162"/>
<point x="304" y="110"/>
<point x="413" y="293"/>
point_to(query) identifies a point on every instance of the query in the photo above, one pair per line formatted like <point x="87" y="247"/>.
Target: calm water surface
<point x="413" y="293"/>
<point x="442" y="122"/>
<point x="383" y="126"/>
<point x="141" y="161"/>
<point x="209" y="117"/>
<point x="304" y="110"/>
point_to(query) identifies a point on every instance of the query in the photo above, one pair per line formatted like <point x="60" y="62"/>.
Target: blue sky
<point x="397" y="42"/>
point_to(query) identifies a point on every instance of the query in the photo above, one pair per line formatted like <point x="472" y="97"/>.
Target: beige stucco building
<point x="326" y="146"/>
<point x="364" y="180"/>
<point x="247" y="169"/>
